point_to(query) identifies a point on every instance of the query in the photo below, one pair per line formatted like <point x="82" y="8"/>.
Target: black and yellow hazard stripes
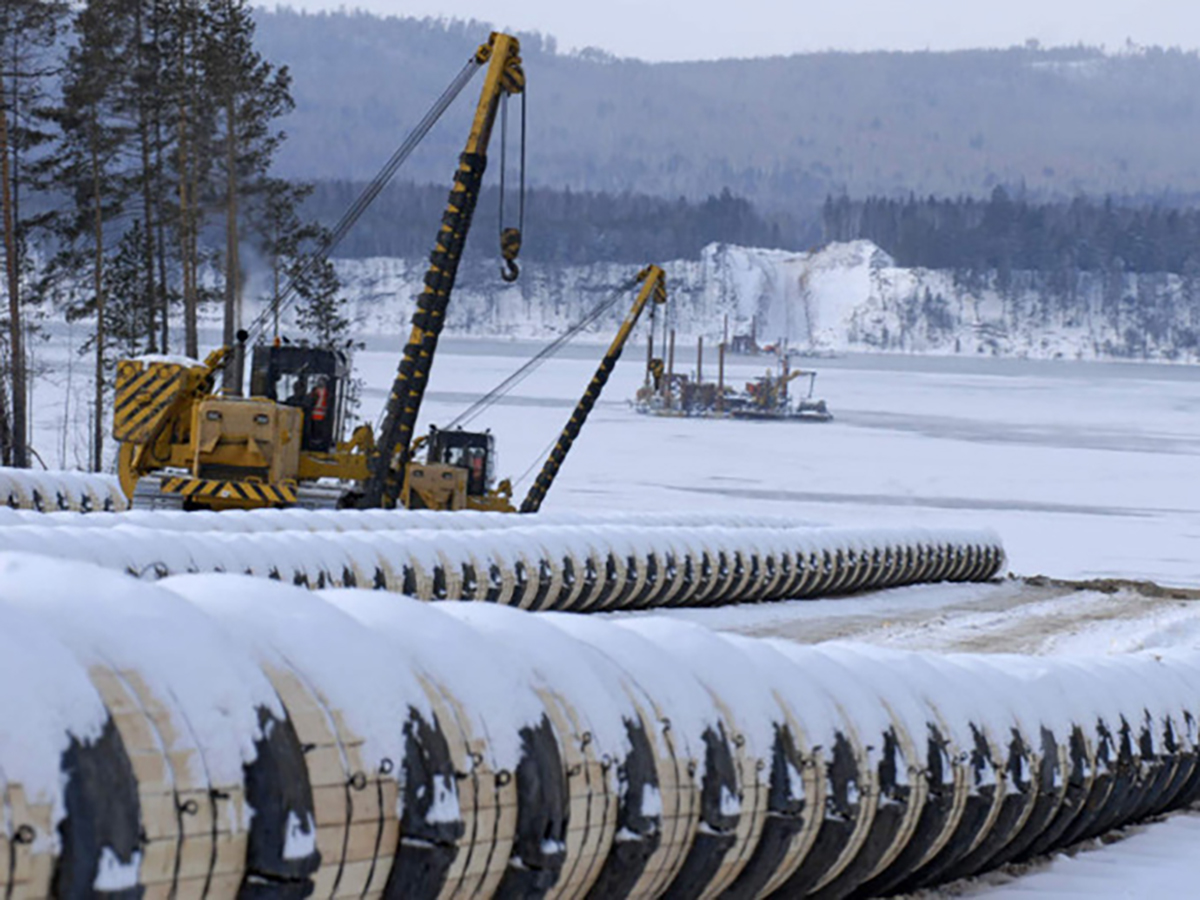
<point x="218" y="493"/>
<point x="412" y="375"/>
<point x="504" y="76"/>
<point x="144" y="393"/>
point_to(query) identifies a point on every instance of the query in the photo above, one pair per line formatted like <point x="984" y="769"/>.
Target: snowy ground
<point x="1085" y="469"/>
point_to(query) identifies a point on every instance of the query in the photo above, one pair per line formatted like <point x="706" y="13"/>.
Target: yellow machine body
<point x="435" y="486"/>
<point x="153" y="413"/>
<point x="214" y="451"/>
<point x="245" y="453"/>
<point x="441" y="486"/>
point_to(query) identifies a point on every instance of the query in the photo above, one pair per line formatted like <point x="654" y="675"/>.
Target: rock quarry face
<point x="803" y="297"/>
<point x="848" y="297"/>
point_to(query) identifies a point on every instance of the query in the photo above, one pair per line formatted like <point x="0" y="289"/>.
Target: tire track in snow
<point x="1006" y="617"/>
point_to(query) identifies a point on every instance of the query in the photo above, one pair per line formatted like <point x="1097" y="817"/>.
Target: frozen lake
<point x="1085" y="469"/>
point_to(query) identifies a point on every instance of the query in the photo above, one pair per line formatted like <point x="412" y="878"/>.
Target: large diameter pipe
<point x="579" y="567"/>
<point x="214" y="734"/>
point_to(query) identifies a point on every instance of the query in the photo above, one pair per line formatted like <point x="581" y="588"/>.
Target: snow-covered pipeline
<point x="562" y="562"/>
<point x="58" y="491"/>
<point x="226" y="732"/>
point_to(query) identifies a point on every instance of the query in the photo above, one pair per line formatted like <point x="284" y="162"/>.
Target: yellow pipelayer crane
<point x="225" y="451"/>
<point x="271" y="449"/>
<point x="654" y="288"/>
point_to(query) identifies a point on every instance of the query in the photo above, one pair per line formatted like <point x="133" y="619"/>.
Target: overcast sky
<point x="709" y="29"/>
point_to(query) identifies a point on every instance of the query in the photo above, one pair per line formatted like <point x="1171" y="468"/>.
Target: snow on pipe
<point x="581" y="568"/>
<point x="216" y="735"/>
<point x="47" y="491"/>
<point x="321" y="520"/>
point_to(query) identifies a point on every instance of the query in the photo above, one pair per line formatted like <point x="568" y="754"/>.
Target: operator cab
<point x="312" y="379"/>
<point x="470" y="450"/>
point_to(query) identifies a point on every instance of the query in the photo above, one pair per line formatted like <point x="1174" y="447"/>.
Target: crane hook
<point x="510" y="246"/>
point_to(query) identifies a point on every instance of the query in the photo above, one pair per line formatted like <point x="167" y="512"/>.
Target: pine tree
<point x="319" y="313"/>
<point x="28" y="29"/>
<point x="250" y="94"/>
<point x="130" y="328"/>
<point x="87" y="164"/>
<point x="192" y="134"/>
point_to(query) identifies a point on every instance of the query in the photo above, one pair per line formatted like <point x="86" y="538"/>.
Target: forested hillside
<point x="784" y="132"/>
<point x="566" y="227"/>
<point x="1004" y="233"/>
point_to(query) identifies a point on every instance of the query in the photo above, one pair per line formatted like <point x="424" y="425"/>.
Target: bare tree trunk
<point x="164" y="298"/>
<point x="6" y="441"/>
<point x="187" y="260"/>
<point x="233" y="312"/>
<point x="98" y="417"/>
<point x="19" y="428"/>
<point x="151" y="295"/>
<point x="13" y="182"/>
<point x="275" y="288"/>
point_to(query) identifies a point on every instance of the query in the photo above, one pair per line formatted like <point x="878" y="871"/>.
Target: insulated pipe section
<point x="237" y="520"/>
<point x="223" y="736"/>
<point x="576" y="568"/>
<point x="59" y="492"/>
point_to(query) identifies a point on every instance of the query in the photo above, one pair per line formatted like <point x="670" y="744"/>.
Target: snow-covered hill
<point x="843" y="297"/>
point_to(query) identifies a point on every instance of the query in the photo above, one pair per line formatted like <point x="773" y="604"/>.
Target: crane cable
<point x="504" y="387"/>
<point x="504" y="165"/>
<point x="539" y="460"/>
<point x="366" y="198"/>
<point x="541" y="457"/>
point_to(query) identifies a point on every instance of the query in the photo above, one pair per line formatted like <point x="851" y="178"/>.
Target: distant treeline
<point x="561" y="226"/>
<point x="1004" y="233"/>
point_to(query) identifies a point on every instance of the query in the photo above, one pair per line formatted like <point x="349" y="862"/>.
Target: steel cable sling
<point x="368" y="196"/>
<point x="511" y="238"/>
<point x="504" y="387"/>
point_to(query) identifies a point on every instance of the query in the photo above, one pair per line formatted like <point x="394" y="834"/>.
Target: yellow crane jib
<point x="505" y="76"/>
<point x="654" y="288"/>
<point x="223" y="450"/>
